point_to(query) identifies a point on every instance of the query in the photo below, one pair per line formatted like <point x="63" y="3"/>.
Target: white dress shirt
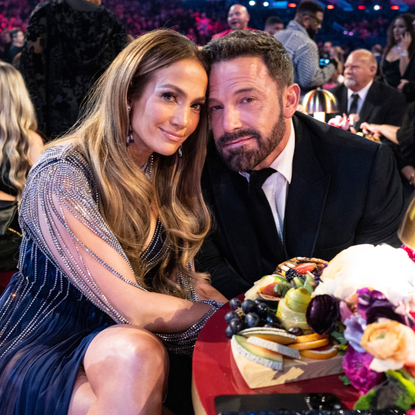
<point x="276" y="185"/>
<point x="362" y="96"/>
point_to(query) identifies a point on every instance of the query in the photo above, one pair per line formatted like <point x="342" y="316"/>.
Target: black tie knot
<point x="353" y="106"/>
<point x="258" y="177"/>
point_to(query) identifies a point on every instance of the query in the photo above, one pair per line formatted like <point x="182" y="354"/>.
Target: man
<point x="16" y="47"/>
<point x="238" y="19"/>
<point x="68" y="45"/>
<point x="373" y="101"/>
<point x="297" y="39"/>
<point x="273" y="25"/>
<point x="330" y="189"/>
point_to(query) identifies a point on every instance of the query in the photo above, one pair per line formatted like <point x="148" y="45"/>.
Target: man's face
<point x="274" y="28"/>
<point x="312" y="23"/>
<point x="358" y="71"/>
<point x="19" y="39"/>
<point x="327" y="47"/>
<point x="246" y="113"/>
<point x="238" y="17"/>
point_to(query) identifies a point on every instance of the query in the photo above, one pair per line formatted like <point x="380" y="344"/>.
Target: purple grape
<point x="236" y="325"/>
<point x="248" y="306"/>
<point x="297" y="331"/>
<point x="231" y="315"/>
<point x="273" y="325"/>
<point x="229" y="332"/>
<point x="234" y="303"/>
<point x="252" y="320"/>
<point x="262" y="309"/>
<point x="272" y="318"/>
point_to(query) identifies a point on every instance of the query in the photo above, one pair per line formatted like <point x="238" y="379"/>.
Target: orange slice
<point x="323" y="353"/>
<point x="310" y="337"/>
<point x="310" y="345"/>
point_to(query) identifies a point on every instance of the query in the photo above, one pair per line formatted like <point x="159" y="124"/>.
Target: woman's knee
<point x="127" y="348"/>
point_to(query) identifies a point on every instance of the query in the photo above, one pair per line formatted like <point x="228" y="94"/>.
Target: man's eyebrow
<point x="240" y="91"/>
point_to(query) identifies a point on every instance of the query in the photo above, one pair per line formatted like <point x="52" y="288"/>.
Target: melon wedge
<point x="323" y="353"/>
<point x="310" y="345"/>
<point x="275" y="347"/>
<point x="257" y="354"/>
<point x="267" y="333"/>
<point x="310" y="337"/>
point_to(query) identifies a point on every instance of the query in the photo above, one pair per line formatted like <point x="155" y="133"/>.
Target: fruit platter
<point x="271" y="340"/>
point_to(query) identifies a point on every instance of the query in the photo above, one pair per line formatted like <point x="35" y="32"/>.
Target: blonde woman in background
<point x="20" y="146"/>
<point x="113" y="216"/>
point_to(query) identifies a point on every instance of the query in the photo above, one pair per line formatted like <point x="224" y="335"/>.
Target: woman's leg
<point x="126" y="370"/>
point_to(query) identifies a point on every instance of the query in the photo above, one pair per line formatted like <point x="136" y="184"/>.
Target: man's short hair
<point x="241" y="43"/>
<point x="272" y="20"/>
<point x="309" y="7"/>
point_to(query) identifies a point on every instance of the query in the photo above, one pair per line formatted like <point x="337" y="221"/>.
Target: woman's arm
<point x="35" y="146"/>
<point x="66" y="219"/>
<point x="377" y="130"/>
<point x="404" y="55"/>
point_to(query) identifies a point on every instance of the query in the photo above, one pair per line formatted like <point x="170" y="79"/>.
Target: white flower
<point x="381" y="267"/>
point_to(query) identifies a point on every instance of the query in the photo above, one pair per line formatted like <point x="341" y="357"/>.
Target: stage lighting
<point x="292" y="5"/>
<point x="265" y="4"/>
<point x="252" y="3"/>
<point x="361" y="7"/>
<point x="394" y="7"/>
<point x="330" y="6"/>
<point x="377" y="7"/>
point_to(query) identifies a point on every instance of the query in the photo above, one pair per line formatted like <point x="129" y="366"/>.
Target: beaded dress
<point x="53" y="308"/>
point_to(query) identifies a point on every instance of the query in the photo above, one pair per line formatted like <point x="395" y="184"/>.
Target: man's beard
<point x="240" y="159"/>
<point x="311" y="32"/>
<point x="349" y="82"/>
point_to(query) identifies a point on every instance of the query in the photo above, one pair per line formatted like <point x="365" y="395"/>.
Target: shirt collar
<point x="284" y="162"/>
<point x="362" y="93"/>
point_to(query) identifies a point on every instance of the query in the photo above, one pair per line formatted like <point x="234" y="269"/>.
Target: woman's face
<point x="168" y="111"/>
<point x="399" y="29"/>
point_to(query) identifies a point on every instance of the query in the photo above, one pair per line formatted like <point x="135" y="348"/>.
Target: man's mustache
<point x="229" y="137"/>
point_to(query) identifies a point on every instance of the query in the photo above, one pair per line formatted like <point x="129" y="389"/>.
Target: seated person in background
<point x="403" y="137"/>
<point x="16" y="47"/>
<point x="273" y="25"/>
<point x="20" y="146"/>
<point x="238" y="19"/>
<point x="112" y="217"/>
<point x="374" y="102"/>
<point x="326" y="190"/>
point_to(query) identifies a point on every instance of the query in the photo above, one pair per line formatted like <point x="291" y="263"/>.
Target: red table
<point x="215" y="372"/>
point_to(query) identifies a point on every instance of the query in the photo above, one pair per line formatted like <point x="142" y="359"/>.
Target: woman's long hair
<point x="125" y="194"/>
<point x="390" y="43"/>
<point x="17" y="118"/>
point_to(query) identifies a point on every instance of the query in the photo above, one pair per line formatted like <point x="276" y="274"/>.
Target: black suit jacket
<point x="345" y="190"/>
<point x="383" y="104"/>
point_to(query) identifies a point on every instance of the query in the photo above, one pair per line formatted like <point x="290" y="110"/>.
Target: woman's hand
<point x="405" y="41"/>
<point x="401" y="85"/>
<point x="373" y="129"/>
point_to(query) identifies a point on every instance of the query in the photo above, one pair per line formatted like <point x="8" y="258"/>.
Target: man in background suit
<point x="328" y="189"/>
<point x="373" y="101"/>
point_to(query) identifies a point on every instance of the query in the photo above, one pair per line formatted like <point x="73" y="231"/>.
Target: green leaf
<point x="345" y="379"/>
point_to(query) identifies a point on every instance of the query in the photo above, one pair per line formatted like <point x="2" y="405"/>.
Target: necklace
<point x="148" y="167"/>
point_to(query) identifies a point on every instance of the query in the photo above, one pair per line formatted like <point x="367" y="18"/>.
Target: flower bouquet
<point x="366" y="299"/>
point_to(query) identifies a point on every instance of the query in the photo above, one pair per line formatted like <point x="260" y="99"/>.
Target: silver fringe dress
<point x="53" y="308"/>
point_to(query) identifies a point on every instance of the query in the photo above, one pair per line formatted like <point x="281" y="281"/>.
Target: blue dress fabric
<point x="47" y="317"/>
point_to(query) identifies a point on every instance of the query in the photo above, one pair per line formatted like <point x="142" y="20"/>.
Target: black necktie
<point x="353" y="106"/>
<point x="272" y="252"/>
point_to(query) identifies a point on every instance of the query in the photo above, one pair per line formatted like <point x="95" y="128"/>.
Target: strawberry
<point x="269" y="290"/>
<point x="306" y="267"/>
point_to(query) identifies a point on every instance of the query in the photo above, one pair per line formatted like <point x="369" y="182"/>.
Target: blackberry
<point x="290" y="274"/>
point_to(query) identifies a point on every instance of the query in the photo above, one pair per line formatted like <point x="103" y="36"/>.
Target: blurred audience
<point x="398" y="62"/>
<point x="20" y="146"/>
<point x="17" y="40"/>
<point x="68" y="45"/>
<point x="273" y="25"/>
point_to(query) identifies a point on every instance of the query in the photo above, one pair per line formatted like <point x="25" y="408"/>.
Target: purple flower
<point x="356" y="367"/>
<point x="355" y="326"/>
<point x="323" y="313"/>
<point x="373" y="305"/>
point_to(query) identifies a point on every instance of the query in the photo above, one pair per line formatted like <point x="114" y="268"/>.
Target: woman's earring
<point x="130" y="137"/>
<point x="180" y="151"/>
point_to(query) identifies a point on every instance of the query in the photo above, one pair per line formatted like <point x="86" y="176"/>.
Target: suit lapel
<point x="233" y="215"/>
<point x="369" y="105"/>
<point x="307" y="192"/>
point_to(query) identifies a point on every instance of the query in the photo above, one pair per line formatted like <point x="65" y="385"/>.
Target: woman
<point x="113" y="216"/>
<point x="20" y="146"/>
<point x="398" y="65"/>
